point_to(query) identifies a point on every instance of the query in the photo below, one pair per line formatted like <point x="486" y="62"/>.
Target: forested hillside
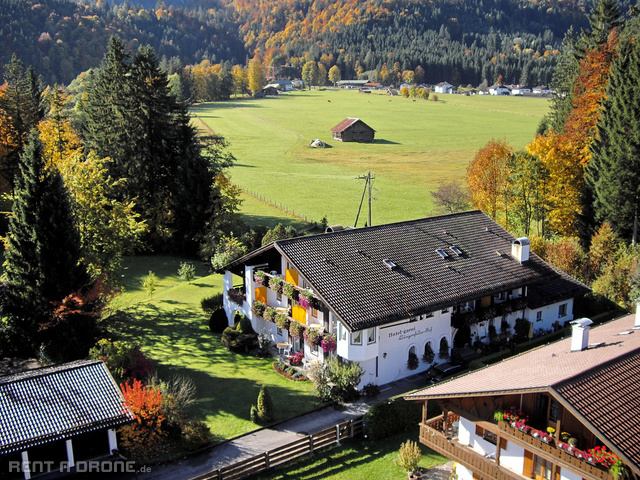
<point x="459" y="41"/>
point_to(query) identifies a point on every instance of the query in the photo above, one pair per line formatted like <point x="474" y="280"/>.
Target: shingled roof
<point x="346" y="123"/>
<point x="347" y="269"/>
<point x="58" y="402"/>
<point x="600" y="385"/>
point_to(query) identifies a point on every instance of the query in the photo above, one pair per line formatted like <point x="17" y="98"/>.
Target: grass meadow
<point x="418" y="145"/>
<point x="173" y="330"/>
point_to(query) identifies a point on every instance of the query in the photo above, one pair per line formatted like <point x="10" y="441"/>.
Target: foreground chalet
<point x="392" y="294"/>
<point x="53" y="418"/>
<point x="572" y="410"/>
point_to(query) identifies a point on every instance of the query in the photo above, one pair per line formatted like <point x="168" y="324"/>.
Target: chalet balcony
<point x="553" y="453"/>
<point x="440" y="435"/>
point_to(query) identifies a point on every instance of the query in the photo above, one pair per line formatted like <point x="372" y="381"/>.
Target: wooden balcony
<point x="432" y="434"/>
<point x="553" y="454"/>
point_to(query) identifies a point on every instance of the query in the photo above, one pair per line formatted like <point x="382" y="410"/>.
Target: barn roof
<point x="346" y="123"/>
<point x="58" y="402"/>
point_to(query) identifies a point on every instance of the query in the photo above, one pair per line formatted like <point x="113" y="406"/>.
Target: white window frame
<point x="356" y="338"/>
<point x="371" y="332"/>
<point x="562" y="310"/>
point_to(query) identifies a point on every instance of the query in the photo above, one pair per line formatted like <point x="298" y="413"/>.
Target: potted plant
<point x="312" y="336"/>
<point x="269" y="314"/>
<point x="429" y="355"/>
<point x="412" y="361"/>
<point x="236" y="296"/>
<point x="408" y="458"/>
<point x="296" y="329"/>
<point x="296" y="359"/>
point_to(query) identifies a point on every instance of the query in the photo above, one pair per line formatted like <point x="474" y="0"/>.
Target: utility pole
<point x="367" y="186"/>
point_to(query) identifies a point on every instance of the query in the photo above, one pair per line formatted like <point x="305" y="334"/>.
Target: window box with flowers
<point x="329" y="343"/>
<point x="282" y="321"/>
<point x="236" y="296"/>
<point x="296" y="359"/>
<point x="305" y="298"/>
<point x="288" y="289"/>
<point x="269" y="314"/>
<point x="257" y="308"/>
<point x="259" y="277"/>
<point x="296" y="330"/>
<point x="312" y="336"/>
<point x="275" y="284"/>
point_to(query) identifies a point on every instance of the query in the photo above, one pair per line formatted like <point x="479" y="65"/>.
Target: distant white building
<point x="443" y="87"/>
<point x="520" y="90"/>
<point x="499" y="90"/>
<point x="391" y="294"/>
<point x="541" y="90"/>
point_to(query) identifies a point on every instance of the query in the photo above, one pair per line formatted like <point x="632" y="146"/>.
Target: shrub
<point x="212" y="303"/>
<point x="218" y="321"/>
<point x="124" y="360"/>
<point x="412" y="361"/>
<point x="195" y="435"/>
<point x="319" y="376"/>
<point x="390" y="417"/>
<point x="178" y="395"/>
<point x="265" y="405"/>
<point x="187" y="271"/>
<point x="345" y="377"/>
<point x="522" y="328"/>
<point x="149" y="283"/>
<point x="253" y="415"/>
<point x="370" y="390"/>
<point x="142" y="438"/>
<point x="244" y="325"/>
<point x="236" y="339"/>
<point x="409" y="456"/>
<point x="258" y="308"/>
<point x="282" y="369"/>
<point x="456" y="357"/>
<point x="264" y="342"/>
<point x="429" y="355"/>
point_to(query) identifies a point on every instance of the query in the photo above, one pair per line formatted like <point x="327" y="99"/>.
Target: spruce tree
<point x="614" y="172"/>
<point x="43" y="246"/>
<point x="265" y="405"/>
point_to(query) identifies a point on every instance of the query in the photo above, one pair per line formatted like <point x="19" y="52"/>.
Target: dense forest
<point x="462" y="42"/>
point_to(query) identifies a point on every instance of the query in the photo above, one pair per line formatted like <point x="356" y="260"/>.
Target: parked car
<point x="439" y="372"/>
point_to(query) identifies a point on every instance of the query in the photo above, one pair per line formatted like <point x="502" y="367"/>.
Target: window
<point x="445" y="310"/>
<point x="314" y="312"/>
<point x="538" y="316"/>
<point x="429" y="315"/>
<point x="356" y="338"/>
<point x="371" y="335"/>
<point x="562" y="310"/>
<point x="555" y="410"/>
<point x="543" y="469"/>
<point x="486" y="435"/>
<point x="343" y="333"/>
<point x="279" y="331"/>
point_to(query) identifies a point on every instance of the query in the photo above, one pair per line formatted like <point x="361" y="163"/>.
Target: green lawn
<point x="418" y="145"/>
<point x="354" y="460"/>
<point x="174" y="332"/>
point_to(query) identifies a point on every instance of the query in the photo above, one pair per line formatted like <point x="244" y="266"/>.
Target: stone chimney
<point x="520" y="249"/>
<point x="580" y="334"/>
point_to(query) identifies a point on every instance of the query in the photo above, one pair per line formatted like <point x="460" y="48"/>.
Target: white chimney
<point x="637" y="324"/>
<point x="520" y="249"/>
<point x="580" y="334"/>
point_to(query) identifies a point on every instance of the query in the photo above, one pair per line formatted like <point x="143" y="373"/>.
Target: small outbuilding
<point x="353" y="130"/>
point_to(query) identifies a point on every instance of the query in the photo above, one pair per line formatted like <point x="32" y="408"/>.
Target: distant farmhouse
<point x="353" y="130"/>
<point x="54" y="417"/>
<point x="443" y="87"/>
<point x="499" y="90"/>
<point x="282" y="85"/>
<point x="352" y="83"/>
<point x="567" y="403"/>
<point x="397" y="297"/>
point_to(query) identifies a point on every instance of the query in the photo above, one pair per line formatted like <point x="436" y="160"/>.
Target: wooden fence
<point x="286" y="453"/>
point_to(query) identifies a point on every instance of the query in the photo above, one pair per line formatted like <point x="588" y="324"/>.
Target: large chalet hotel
<point x="397" y="298"/>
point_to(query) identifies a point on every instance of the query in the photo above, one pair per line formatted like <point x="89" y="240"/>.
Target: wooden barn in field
<point x="353" y="130"/>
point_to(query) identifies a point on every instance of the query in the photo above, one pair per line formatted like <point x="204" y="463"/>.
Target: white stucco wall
<point x="568" y="475"/>
<point x="512" y="458"/>
<point x="466" y="428"/>
<point x="462" y="472"/>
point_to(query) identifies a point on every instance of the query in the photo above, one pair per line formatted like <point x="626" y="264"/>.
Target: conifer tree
<point x="43" y="245"/>
<point x="614" y="172"/>
<point x="265" y="405"/>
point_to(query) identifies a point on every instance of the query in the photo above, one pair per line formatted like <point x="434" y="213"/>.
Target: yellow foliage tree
<point x="488" y="179"/>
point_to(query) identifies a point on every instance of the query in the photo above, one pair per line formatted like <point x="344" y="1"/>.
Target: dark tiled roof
<point x="346" y="123"/>
<point x="346" y="270"/>
<point x="601" y="385"/>
<point x="58" y="402"/>
<point x="608" y="397"/>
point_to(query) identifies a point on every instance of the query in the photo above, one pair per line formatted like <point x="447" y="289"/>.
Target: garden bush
<point x="265" y="405"/>
<point x="390" y="417"/>
<point x="195" y="435"/>
<point x="244" y="325"/>
<point x="240" y="337"/>
<point x="409" y="456"/>
<point x="218" y="321"/>
<point x="212" y="303"/>
<point x="124" y="359"/>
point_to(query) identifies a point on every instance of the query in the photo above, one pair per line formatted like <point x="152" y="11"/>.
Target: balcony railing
<point x="434" y="435"/>
<point x="552" y="453"/>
